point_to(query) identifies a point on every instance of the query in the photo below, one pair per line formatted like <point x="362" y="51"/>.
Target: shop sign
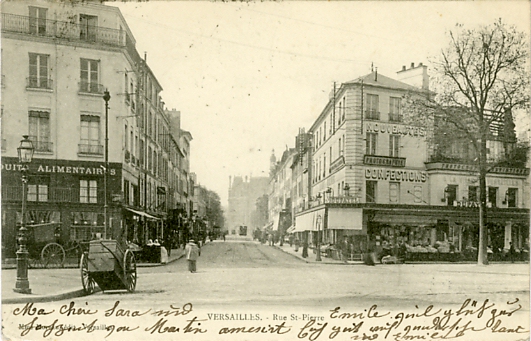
<point x="60" y="169"/>
<point x="397" y="129"/>
<point x="343" y="200"/>
<point x="384" y="161"/>
<point x="463" y="203"/>
<point x="395" y="175"/>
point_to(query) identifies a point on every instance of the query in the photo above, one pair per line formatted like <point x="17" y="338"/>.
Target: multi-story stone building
<point x="58" y="59"/>
<point x="282" y="183"/>
<point x="375" y="178"/>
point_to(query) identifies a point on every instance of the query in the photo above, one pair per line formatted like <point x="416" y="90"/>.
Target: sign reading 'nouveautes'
<point x="398" y="129"/>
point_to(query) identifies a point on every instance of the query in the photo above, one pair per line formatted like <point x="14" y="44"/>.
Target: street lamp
<point x="25" y="155"/>
<point x="346" y="189"/>
<point x="318" y="256"/>
<point x="106" y="98"/>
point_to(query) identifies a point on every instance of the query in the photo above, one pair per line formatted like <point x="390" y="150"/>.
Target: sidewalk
<point x="311" y="256"/>
<point x="55" y="284"/>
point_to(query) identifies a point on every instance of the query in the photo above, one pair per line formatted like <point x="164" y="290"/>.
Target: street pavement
<point x="55" y="284"/>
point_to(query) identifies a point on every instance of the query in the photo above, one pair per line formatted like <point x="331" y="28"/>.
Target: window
<point x="126" y="88"/>
<point x="370" y="191"/>
<point x="372" y="111"/>
<point x="340" y="147"/>
<point x="324" y="165"/>
<point x="473" y="193"/>
<point x="394" y="145"/>
<point x="324" y="132"/>
<point x="394" y="192"/>
<point x="90" y="76"/>
<point x="37" y="20"/>
<point x="512" y="197"/>
<point x="394" y="109"/>
<point x="127" y="198"/>
<point x="38" y="71"/>
<point x="370" y="140"/>
<point x="88" y="26"/>
<point x="88" y="191"/>
<point x="417" y="192"/>
<point x="451" y="194"/>
<point x="343" y="110"/>
<point x="492" y="196"/>
<point x="39" y="130"/>
<point x="38" y="189"/>
<point x="90" y="135"/>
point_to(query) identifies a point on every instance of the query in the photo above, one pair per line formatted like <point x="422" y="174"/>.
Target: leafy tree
<point x="479" y="80"/>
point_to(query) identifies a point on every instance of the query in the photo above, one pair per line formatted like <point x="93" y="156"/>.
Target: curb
<point x="47" y="298"/>
<point x="72" y="293"/>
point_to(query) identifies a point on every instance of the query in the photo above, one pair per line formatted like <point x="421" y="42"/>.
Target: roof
<point x="383" y="81"/>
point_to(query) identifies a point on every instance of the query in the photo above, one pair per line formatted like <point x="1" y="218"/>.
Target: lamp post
<point x="106" y="98"/>
<point x="25" y="155"/>
<point x="346" y="189"/>
<point x="318" y="256"/>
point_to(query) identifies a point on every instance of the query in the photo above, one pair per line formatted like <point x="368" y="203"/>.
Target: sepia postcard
<point x="265" y="170"/>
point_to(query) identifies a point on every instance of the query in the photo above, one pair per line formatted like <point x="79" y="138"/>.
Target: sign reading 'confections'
<point x="395" y="175"/>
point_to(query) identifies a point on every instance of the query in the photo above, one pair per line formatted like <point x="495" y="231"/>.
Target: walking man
<point x="192" y="253"/>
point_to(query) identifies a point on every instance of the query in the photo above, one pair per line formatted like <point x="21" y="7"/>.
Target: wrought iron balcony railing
<point x="38" y="83"/>
<point x="40" y="145"/>
<point x="93" y="149"/>
<point x="54" y="194"/>
<point x="372" y="115"/>
<point x="62" y="30"/>
<point x="395" y="117"/>
<point x="91" y="88"/>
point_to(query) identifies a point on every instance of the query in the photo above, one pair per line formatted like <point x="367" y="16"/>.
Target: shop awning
<point x="276" y="219"/>
<point x="267" y="226"/>
<point x="143" y="214"/>
<point x="310" y="221"/>
<point x="345" y="218"/>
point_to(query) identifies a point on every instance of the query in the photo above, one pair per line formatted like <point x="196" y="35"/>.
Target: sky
<point x="247" y="75"/>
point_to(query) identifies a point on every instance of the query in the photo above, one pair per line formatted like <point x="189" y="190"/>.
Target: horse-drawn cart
<point x="45" y="247"/>
<point x="109" y="264"/>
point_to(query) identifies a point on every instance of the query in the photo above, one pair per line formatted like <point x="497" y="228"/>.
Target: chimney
<point x="376" y="74"/>
<point x="415" y="76"/>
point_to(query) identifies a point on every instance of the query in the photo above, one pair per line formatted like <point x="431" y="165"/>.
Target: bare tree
<point x="480" y="78"/>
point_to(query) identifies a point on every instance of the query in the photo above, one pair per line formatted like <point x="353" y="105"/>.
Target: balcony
<point x="39" y="83"/>
<point x="62" y="30"/>
<point x="57" y="194"/>
<point x="91" y="149"/>
<point x="40" y="145"/>
<point x="127" y="156"/>
<point x="393" y="117"/>
<point x="91" y="88"/>
<point x="372" y="115"/>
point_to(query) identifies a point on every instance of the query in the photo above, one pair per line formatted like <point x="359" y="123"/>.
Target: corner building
<point x="58" y="59"/>
<point x="374" y="178"/>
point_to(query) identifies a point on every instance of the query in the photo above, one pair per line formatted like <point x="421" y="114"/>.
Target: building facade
<point x="243" y="193"/>
<point x="58" y="60"/>
<point x="376" y="181"/>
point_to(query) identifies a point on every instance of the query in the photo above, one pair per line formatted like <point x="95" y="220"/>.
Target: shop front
<point x="68" y="195"/>
<point x="445" y="233"/>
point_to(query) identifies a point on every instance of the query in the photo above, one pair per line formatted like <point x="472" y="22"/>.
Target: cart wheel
<point x="34" y="263"/>
<point x="53" y="255"/>
<point x="130" y="270"/>
<point x="86" y="279"/>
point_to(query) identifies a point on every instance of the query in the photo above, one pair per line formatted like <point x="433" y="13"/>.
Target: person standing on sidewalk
<point x="192" y="252"/>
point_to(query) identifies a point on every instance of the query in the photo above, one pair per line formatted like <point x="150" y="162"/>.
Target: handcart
<point x="109" y="264"/>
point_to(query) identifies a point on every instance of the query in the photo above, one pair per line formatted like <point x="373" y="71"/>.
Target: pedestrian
<point x="270" y="238"/>
<point x="345" y="249"/>
<point x="192" y="253"/>
<point x="511" y="252"/>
